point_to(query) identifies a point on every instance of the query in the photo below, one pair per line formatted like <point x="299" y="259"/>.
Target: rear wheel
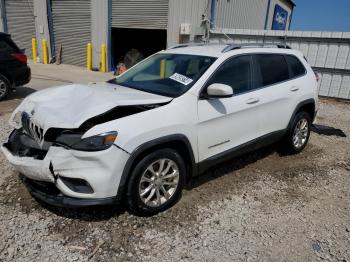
<point x="4" y="87"/>
<point x="298" y="135"/>
<point x="156" y="182"/>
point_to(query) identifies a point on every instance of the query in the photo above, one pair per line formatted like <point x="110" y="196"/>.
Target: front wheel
<point x="298" y="135"/>
<point x="156" y="182"/>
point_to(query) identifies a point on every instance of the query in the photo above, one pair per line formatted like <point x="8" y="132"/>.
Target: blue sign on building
<point x="279" y="18"/>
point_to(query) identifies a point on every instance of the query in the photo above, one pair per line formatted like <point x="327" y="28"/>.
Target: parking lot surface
<point x="261" y="206"/>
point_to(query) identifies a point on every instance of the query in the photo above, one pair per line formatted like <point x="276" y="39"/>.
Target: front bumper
<point x="101" y="170"/>
<point x="49" y="194"/>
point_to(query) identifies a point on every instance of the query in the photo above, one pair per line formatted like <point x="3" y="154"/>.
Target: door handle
<point x="294" y="88"/>
<point x="252" y="100"/>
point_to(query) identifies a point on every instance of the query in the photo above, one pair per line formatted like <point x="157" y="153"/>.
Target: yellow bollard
<point x="45" y="56"/>
<point x="103" y="58"/>
<point x="89" y="56"/>
<point x="34" y="50"/>
<point x="162" y="69"/>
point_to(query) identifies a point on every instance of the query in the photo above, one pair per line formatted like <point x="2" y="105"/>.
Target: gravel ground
<point x="262" y="206"/>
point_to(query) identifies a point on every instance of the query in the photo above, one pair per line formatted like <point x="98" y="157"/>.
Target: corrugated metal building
<point x="146" y="25"/>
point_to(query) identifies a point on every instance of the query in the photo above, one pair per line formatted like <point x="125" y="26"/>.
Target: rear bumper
<point x="49" y="194"/>
<point x="22" y="76"/>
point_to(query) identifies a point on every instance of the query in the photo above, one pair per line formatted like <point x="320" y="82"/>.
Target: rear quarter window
<point x="273" y="69"/>
<point x="296" y="67"/>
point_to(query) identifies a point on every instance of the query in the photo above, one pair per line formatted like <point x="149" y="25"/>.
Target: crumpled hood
<point x="70" y="106"/>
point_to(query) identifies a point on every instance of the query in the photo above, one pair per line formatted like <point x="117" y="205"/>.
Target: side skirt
<point x="240" y="150"/>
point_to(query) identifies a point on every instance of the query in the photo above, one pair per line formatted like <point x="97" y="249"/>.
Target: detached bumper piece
<point x="48" y="193"/>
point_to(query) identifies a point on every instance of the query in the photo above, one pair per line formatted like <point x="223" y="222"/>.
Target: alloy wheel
<point x="300" y="133"/>
<point x="159" y="182"/>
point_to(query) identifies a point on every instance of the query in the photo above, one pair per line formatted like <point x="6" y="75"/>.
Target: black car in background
<point x="14" y="70"/>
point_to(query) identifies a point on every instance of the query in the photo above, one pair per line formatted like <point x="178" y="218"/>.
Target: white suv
<point x="142" y="136"/>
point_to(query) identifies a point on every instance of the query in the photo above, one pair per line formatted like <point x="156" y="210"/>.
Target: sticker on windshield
<point x="181" y="79"/>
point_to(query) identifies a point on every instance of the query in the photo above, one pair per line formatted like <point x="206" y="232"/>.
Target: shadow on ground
<point x="327" y="130"/>
<point x="90" y="214"/>
<point x="21" y="92"/>
<point x="232" y="165"/>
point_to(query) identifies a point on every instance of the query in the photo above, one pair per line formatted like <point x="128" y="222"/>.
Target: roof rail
<point x="231" y="47"/>
<point x="194" y="44"/>
<point x="186" y="45"/>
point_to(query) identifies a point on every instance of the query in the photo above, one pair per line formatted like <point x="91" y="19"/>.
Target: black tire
<point x="289" y="146"/>
<point x="5" y="87"/>
<point x="133" y="198"/>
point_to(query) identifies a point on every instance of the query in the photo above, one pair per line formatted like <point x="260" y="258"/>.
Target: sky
<point x="321" y="15"/>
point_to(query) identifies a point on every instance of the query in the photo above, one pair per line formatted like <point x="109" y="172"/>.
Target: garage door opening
<point x="145" y="41"/>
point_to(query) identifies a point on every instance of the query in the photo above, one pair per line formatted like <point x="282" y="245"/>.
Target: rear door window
<point x="273" y="69"/>
<point x="296" y="67"/>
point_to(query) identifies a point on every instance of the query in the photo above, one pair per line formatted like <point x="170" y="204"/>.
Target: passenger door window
<point x="273" y="69"/>
<point x="237" y="73"/>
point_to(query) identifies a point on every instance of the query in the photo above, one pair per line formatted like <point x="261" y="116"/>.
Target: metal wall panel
<point x="327" y="52"/>
<point x="335" y="84"/>
<point x="21" y="23"/>
<point x="344" y="91"/>
<point x="2" y="16"/>
<point x="184" y="11"/>
<point x="72" y="29"/>
<point x="243" y="14"/>
<point x="143" y="14"/>
<point x="100" y="30"/>
<point x="42" y="27"/>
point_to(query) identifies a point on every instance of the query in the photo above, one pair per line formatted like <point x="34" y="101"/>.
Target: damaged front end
<point x="50" y="146"/>
<point x="66" y="177"/>
<point x="62" y="168"/>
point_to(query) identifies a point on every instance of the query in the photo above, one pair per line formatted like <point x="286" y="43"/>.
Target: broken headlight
<point x="93" y="143"/>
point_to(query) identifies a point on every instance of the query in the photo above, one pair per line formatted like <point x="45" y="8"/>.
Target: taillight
<point x="20" y="57"/>
<point x="318" y="78"/>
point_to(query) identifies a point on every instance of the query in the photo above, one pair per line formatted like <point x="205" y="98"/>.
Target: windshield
<point x="166" y="74"/>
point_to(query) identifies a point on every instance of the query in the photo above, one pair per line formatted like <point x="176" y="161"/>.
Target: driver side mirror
<point x="219" y="91"/>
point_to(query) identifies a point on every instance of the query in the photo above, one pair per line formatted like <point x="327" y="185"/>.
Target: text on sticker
<point x="181" y="79"/>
